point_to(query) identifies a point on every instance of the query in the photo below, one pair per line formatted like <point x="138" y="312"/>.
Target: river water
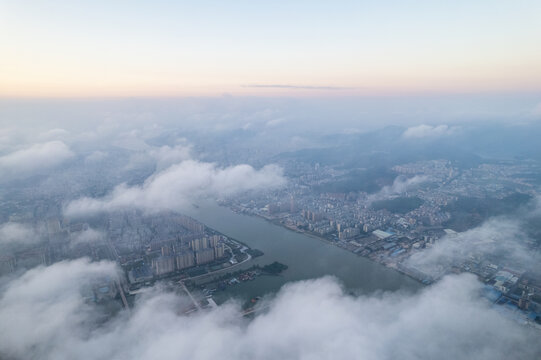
<point x="307" y="257"/>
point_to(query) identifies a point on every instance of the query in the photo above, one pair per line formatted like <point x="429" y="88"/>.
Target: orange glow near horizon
<point x="107" y="50"/>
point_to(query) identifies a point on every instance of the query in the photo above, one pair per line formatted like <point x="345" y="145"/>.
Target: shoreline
<point x="215" y="272"/>
<point x="327" y="241"/>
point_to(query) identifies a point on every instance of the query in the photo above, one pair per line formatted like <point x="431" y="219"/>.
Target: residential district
<point x="408" y="216"/>
<point x="414" y="214"/>
<point x="148" y="248"/>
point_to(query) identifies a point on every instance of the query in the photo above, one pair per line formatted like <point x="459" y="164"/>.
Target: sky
<point x="279" y="48"/>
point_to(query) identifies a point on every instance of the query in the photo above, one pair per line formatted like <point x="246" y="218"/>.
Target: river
<point x="307" y="257"/>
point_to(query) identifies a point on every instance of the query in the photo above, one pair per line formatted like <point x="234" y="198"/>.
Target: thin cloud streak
<point x="300" y="87"/>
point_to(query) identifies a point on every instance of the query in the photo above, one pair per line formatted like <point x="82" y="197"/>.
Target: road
<point x="254" y="310"/>
<point x="197" y="305"/>
<point x="115" y="257"/>
<point x="248" y="258"/>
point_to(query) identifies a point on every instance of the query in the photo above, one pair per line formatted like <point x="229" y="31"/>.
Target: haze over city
<point x="244" y="180"/>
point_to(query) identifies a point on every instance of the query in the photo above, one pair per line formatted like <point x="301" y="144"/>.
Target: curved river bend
<point x="307" y="257"/>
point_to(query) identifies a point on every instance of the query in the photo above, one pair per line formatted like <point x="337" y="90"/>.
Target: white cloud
<point x="10" y="137"/>
<point x="499" y="238"/>
<point x="96" y="156"/>
<point x="16" y="233"/>
<point x="46" y="306"/>
<point x="44" y="316"/>
<point x="400" y="185"/>
<point x="166" y="156"/>
<point x="160" y="157"/>
<point x="179" y="185"/>
<point x="88" y="235"/>
<point x="33" y="160"/>
<point x="425" y="131"/>
<point x="275" y="122"/>
<point x="53" y="134"/>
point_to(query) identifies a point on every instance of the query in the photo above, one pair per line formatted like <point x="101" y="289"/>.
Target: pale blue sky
<point x="76" y="48"/>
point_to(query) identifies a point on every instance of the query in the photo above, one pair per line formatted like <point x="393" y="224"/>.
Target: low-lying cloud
<point x="497" y="238"/>
<point x="166" y="156"/>
<point x="400" y="185"/>
<point x="428" y="131"/>
<point x="13" y="233"/>
<point x="85" y="236"/>
<point x="179" y="186"/>
<point x="34" y="159"/>
<point x="96" y="157"/>
<point x="53" y="134"/>
<point x="44" y="316"/>
<point x="44" y="307"/>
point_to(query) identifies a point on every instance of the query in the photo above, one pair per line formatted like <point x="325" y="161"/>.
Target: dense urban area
<point x="422" y="205"/>
<point x="429" y="202"/>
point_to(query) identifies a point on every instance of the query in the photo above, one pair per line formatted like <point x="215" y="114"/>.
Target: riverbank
<point x="277" y="222"/>
<point x="307" y="259"/>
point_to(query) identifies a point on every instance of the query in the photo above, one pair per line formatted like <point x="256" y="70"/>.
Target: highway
<point x="115" y="257"/>
<point x="197" y="305"/>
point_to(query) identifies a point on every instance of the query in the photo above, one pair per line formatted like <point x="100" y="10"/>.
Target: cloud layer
<point x="179" y="185"/>
<point x="400" y="185"/>
<point x="33" y="160"/>
<point x="428" y="131"/>
<point x="500" y="238"/>
<point x="88" y="235"/>
<point x="166" y="156"/>
<point x="44" y="307"/>
<point x="14" y="232"/>
<point x="44" y="316"/>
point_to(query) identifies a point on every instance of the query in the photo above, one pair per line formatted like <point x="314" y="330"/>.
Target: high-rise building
<point x="163" y="265"/>
<point x="213" y="240"/>
<point x="191" y="224"/>
<point x="292" y="205"/>
<point x="312" y="215"/>
<point x="316" y="217"/>
<point x="185" y="260"/>
<point x="348" y="233"/>
<point x="204" y="256"/>
<point x="219" y="251"/>
<point x="167" y="250"/>
<point x="199" y="244"/>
